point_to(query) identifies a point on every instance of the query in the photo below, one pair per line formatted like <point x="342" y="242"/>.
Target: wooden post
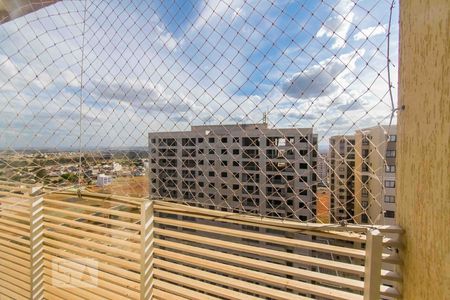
<point x="37" y="248"/>
<point x="372" y="274"/>
<point x="147" y="244"/>
<point x="423" y="148"/>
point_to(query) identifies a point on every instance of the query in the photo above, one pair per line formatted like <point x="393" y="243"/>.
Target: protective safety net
<point x="270" y="107"/>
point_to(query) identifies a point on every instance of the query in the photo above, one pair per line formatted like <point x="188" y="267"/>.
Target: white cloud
<point x="214" y="10"/>
<point x="139" y="77"/>
<point x="165" y="38"/>
<point x="369" y="32"/>
<point x="338" y="26"/>
<point x="323" y="79"/>
<point x="9" y="69"/>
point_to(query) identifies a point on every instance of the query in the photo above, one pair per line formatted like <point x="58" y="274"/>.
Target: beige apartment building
<point x="375" y="170"/>
<point x="362" y="176"/>
<point x="246" y="167"/>
<point x="342" y="179"/>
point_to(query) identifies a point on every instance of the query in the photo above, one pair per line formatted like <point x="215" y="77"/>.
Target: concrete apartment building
<point x="244" y="167"/>
<point x="342" y="179"/>
<point x="322" y="169"/>
<point x="362" y="176"/>
<point x="375" y="170"/>
<point x="247" y="167"/>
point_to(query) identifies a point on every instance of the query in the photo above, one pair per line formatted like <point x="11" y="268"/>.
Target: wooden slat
<point x="105" y="230"/>
<point x="15" y="215"/>
<point x="85" y="234"/>
<point x="391" y="276"/>
<point x="338" y="281"/>
<point x="37" y="248"/>
<point x="105" y="280"/>
<point x="134" y="202"/>
<point x="15" y="291"/>
<point x="127" y="199"/>
<point x="93" y="208"/>
<point x="168" y="203"/>
<point x="127" y="278"/>
<point x="123" y="284"/>
<point x="226" y="281"/>
<point x="14" y="230"/>
<point x="347" y="236"/>
<point x="202" y="286"/>
<point x="15" y="273"/>
<point x="14" y="258"/>
<point x="13" y="265"/>
<point x="15" y="186"/>
<point x="17" y="209"/>
<point x="265" y="238"/>
<point x="72" y="292"/>
<point x="263" y="265"/>
<point x="16" y="253"/>
<point x="163" y="295"/>
<point x="94" y="218"/>
<point x="18" y="284"/>
<point x="261" y="277"/>
<point x="301" y="259"/>
<point x="93" y="254"/>
<point x="5" y="291"/>
<point x="15" y="238"/>
<point x="92" y="245"/>
<point x="13" y="245"/>
<point x="60" y="293"/>
<point x="372" y="276"/>
<point x="181" y="291"/>
<point x="103" y="287"/>
<point x="25" y="227"/>
<point x="21" y="202"/>
<point x="48" y="295"/>
<point x="147" y="249"/>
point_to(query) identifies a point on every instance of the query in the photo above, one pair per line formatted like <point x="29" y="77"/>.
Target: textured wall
<point x="423" y="156"/>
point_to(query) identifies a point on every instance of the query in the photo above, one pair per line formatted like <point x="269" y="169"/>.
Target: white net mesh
<point x="277" y="108"/>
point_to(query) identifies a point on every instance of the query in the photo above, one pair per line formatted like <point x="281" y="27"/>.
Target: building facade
<point x="322" y="169"/>
<point x="103" y="180"/>
<point x="342" y="179"/>
<point x="375" y="170"/>
<point x="362" y="176"/>
<point x="247" y="167"/>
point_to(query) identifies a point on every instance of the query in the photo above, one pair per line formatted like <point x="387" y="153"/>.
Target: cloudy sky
<point x="138" y="66"/>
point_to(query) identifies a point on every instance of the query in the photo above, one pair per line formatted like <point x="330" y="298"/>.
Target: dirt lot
<point x="125" y="186"/>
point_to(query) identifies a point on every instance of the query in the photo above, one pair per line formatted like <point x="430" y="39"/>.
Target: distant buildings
<point x="246" y="167"/>
<point x="103" y="180"/>
<point x="116" y="167"/>
<point x="342" y="177"/>
<point x="362" y="176"/>
<point x="322" y="169"/>
<point x="375" y="170"/>
<point x="275" y="172"/>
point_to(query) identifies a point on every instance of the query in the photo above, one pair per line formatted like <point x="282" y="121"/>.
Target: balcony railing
<point x="85" y="245"/>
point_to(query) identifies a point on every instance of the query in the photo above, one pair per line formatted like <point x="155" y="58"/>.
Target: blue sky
<point x="165" y="65"/>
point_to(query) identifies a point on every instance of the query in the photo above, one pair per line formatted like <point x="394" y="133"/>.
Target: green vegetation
<point x="72" y="177"/>
<point x="41" y="173"/>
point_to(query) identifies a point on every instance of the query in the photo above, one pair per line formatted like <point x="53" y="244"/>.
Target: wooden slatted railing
<point x="144" y="249"/>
